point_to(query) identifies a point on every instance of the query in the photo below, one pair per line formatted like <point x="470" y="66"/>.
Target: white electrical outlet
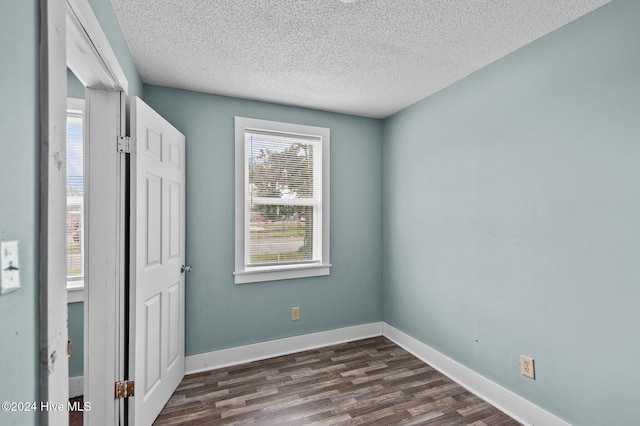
<point x="527" y="367"/>
<point x="9" y="267"/>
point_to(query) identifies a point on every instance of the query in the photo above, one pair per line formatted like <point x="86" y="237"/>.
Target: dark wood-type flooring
<point x="370" y="381"/>
<point x="75" y="417"/>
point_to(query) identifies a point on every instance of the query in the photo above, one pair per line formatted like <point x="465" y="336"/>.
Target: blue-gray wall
<point x="19" y="141"/>
<point x="76" y="334"/>
<point x="75" y="89"/>
<point x="220" y="314"/>
<point x="512" y="219"/>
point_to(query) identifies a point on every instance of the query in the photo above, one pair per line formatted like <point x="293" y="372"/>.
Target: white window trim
<point x="242" y="275"/>
<point x="75" y="287"/>
<point x="75" y="291"/>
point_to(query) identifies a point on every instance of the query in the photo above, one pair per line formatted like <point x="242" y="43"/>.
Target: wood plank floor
<point x="370" y="381"/>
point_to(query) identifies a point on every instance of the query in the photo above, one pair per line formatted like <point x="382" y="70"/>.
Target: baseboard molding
<point x="76" y="386"/>
<point x="514" y="405"/>
<point x="254" y="352"/>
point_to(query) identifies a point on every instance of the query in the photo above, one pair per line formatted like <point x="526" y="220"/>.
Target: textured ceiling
<point x="369" y="57"/>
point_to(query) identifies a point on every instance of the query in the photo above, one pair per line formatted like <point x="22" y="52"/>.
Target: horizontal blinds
<point x="75" y="197"/>
<point x="280" y="167"/>
<point x="75" y="149"/>
<point x="283" y="197"/>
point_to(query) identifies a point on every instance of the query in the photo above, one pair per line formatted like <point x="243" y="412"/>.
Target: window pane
<point x="280" y="234"/>
<point x="75" y="191"/>
<point x="280" y="167"/>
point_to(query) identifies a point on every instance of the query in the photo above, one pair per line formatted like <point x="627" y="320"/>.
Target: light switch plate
<point x="9" y="267"/>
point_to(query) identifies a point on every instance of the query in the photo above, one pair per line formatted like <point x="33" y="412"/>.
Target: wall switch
<point x="295" y="314"/>
<point x="526" y="366"/>
<point x="9" y="267"/>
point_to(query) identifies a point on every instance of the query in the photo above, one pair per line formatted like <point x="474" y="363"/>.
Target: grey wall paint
<point x="511" y="219"/>
<point x="19" y="130"/>
<point x="220" y="314"/>
<point x="75" y="89"/>
<point x="76" y="334"/>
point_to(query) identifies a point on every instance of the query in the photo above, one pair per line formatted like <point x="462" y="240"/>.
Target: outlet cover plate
<point x="527" y="367"/>
<point x="295" y="314"/>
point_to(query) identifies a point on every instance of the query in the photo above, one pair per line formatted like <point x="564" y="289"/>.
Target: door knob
<point x="185" y="268"/>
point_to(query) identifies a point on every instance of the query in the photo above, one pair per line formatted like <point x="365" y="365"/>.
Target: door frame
<point x="54" y="366"/>
<point x="72" y="24"/>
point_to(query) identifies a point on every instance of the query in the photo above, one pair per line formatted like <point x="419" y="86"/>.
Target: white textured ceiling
<point x="369" y="57"/>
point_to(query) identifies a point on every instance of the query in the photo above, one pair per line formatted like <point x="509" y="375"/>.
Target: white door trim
<point x="104" y="272"/>
<point x="88" y="45"/>
<point x="54" y="365"/>
<point x="89" y="54"/>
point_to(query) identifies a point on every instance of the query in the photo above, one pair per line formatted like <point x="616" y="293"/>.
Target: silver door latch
<point x="185" y="268"/>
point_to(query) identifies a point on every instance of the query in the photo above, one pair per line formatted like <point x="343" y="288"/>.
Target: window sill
<point x="75" y="291"/>
<point x="279" y="273"/>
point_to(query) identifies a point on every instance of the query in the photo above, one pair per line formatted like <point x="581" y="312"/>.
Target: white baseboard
<point x="76" y="386"/>
<point x="514" y="405"/>
<point x="238" y="355"/>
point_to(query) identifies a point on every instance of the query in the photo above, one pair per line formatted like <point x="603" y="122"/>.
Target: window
<point x="282" y="201"/>
<point x="75" y="199"/>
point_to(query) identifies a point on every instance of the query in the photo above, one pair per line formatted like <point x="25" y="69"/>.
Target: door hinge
<point x="127" y="144"/>
<point x="124" y="389"/>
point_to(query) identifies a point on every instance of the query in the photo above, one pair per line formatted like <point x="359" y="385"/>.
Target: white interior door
<point x="157" y="234"/>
